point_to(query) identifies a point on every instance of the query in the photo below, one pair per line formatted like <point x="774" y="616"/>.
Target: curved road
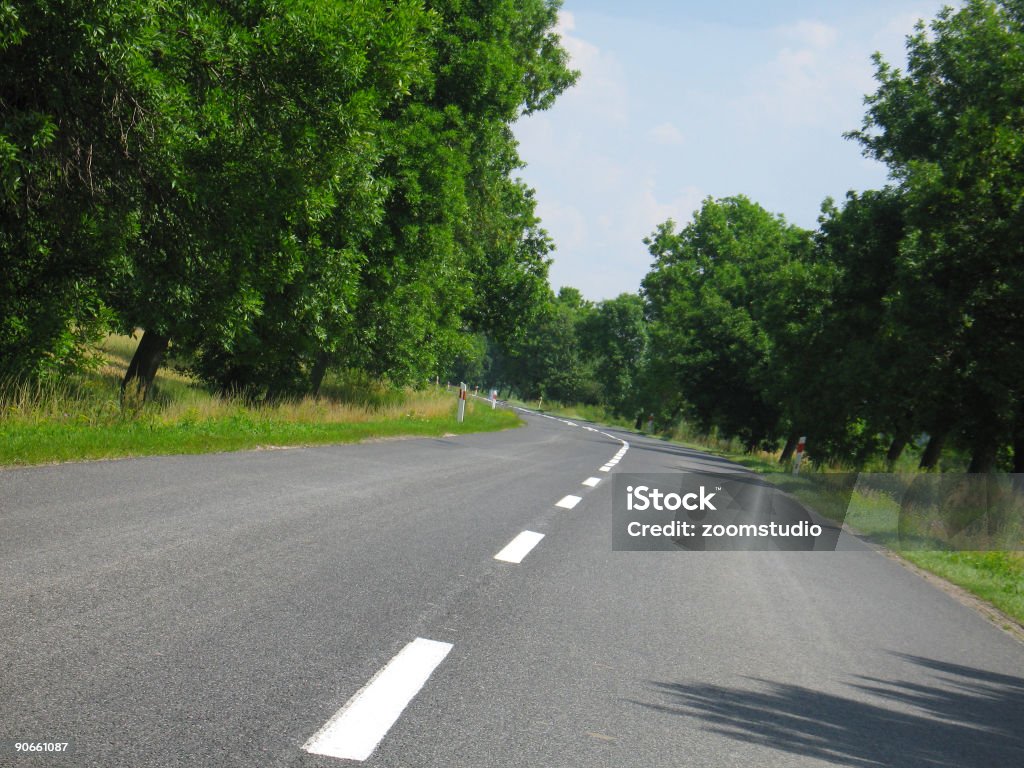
<point x="256" y="608"/>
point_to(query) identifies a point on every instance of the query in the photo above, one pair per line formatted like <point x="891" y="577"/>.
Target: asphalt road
<point x="220" y="610"/>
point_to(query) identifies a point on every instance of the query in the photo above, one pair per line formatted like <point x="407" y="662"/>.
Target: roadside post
<point x="494" y="399"/>
<point x="462" y="402"/>
<point x="800" y="445"/>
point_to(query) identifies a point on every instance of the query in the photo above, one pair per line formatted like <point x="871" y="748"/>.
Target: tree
<point x="949" y="128"/>
<point x="710" y="301"/>
<point x="614" y="336"/>
<point x="72" y="114"/>
<point x="848" y="365"/>
<point x="459" y="249"/>
<point x="547" y="360"/>
<point x="270" y="113"/>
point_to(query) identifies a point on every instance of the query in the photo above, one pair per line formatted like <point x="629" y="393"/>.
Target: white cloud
<point x="667" y="134"/>
<point x="812" y="34"/>
<point x="668" y="110"/>
<point x="814" y="79"/>
<point x="600" y="202"/>
<point x="601" y="90"/>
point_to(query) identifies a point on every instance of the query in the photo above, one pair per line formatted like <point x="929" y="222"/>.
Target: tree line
<point x="273" y="189"/>
<point x="270" y="187"/>
<point x="900" y="318"/>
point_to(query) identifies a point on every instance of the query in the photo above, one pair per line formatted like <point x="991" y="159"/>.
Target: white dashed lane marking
<point x="358" y="727"/>
<point x="519" y="547"/>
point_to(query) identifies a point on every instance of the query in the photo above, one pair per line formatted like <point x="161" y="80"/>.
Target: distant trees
<point x="903" y="316"/>
<point x="900" y="319"/>
<point x="615" y="338"/>
<point x="717" y="299"/>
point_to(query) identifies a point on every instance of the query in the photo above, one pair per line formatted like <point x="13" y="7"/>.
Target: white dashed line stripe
<point x="519" y="547"/>
<point x="358" y="727"/>
<point x="605" y="469"/>
<point x="569" y="502"/>
<point x="591" y="481"/>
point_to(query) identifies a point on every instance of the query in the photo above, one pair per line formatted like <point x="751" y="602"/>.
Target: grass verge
<point x="81" y="418"/>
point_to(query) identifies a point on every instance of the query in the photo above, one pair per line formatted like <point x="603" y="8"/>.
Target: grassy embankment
<point x="996" y="575"/>
<point x="81" y="417"/>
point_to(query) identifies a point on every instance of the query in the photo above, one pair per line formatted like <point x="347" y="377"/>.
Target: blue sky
<point x="678" y="101"/>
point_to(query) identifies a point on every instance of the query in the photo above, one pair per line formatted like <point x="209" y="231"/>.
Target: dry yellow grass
<point x="82" y="417"/>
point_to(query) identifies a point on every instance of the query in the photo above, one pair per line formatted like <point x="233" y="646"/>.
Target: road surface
<point x="254" y="608"/>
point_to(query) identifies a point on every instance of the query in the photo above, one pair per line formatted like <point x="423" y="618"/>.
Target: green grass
<point x="996" y="577"/>
<point x="81" y="418"/>
<point x="76" y="438"/>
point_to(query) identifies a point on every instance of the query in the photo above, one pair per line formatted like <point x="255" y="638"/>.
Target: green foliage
<point x="67" y="129"/>
<point x="614" y="336"/>
<point x="717" y="296"/>
<point x="276" y="186"/>
<point x="459" y="247"/>
<point x="950" y="128"/>
<point x="847" y="366"/>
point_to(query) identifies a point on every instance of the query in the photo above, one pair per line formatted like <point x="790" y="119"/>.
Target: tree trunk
<point x="933" y="451"/>
<point x="895" y="450"/>
<point x="788" y="448"/>
<point x="144" y="365"/>
<point x="983" y="458"/>
<point x="1018" y="456"/>
<point x="316" y="376"/>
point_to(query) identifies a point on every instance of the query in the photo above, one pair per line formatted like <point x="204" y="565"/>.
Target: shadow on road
<point x="964" y="717"/>
<point x="686" y="453"/>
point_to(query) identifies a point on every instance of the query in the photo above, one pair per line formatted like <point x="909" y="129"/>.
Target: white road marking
<point x="592" y="481"/>
<point x="519" y="547"/>
<point x="358" y="727"/>
<point x="569" y="502"/>
<point x="605" y="468"/>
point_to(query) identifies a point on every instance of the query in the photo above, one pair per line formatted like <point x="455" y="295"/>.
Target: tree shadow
<point x="964" y="717"/>
<point x="689" y="454"/>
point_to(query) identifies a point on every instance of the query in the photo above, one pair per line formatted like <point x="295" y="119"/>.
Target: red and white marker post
<point x="800" y="445"/>
<point x="462" y="402"/>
